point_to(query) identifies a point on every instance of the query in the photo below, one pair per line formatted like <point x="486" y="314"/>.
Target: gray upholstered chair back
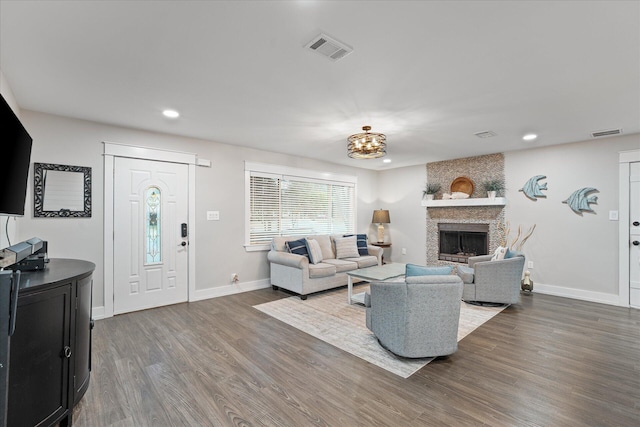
<point x="416" y="318"/>
<point x="493" y="281"/>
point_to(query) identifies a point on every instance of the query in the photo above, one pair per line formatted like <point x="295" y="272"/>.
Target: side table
<point x="382" y="245"/>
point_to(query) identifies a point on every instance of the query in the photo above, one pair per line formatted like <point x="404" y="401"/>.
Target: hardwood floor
<point x="547" y="361"/>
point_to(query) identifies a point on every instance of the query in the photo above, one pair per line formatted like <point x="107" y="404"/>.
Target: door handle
<point x="635" y="243"/>
<point x="636" y="223"/>
<point x="183" y="244"/>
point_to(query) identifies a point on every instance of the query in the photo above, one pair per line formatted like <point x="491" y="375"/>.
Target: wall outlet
<point x="613" y="215"/>
<point x="234" y="278"/>
<point x="404" y="251"/>
<point x="530" y="264"/>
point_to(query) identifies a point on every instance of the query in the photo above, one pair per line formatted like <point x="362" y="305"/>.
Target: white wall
<point x="219" y="244"/>
<point x="400" y="191"/>
<point x="573" y="255"/>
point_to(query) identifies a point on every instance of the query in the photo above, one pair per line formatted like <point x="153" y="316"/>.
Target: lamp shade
<point x="381" y="216"/>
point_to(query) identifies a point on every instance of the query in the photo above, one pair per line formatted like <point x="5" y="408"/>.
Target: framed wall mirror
<point x="61" y="191"/>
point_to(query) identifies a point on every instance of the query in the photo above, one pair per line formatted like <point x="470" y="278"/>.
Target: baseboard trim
<point x="220" y="291"/>
<point x="97" y="313"/>
<point x="560" y="291"/>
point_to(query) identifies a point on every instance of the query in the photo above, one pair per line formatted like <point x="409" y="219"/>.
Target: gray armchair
<point x="487" y="281"/>
<point x="416" y="318"/>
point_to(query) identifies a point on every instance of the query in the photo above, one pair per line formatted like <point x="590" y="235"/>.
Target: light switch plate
<point x="613" y="215"/>
<point x="213" y="215"/>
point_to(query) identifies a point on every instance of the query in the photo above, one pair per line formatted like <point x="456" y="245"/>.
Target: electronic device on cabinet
<point x="25" y="256"/>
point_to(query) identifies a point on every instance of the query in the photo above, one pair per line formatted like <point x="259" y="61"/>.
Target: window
<point x="153" y="238"/>
<point x="283" y="201"/>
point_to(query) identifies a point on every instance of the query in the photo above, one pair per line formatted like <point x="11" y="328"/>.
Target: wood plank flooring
<point x="547" y="361"/>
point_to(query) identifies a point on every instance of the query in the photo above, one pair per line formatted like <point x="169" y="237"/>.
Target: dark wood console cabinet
<point x="50" y="352"/>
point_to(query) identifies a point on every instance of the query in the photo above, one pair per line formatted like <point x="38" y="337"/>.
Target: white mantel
<point x="476" y="201"/>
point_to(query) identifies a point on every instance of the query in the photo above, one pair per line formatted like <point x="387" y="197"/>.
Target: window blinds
<point x="298" y="206"/>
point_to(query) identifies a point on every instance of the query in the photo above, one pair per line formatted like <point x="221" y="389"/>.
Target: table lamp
<point x="381" y="216"/>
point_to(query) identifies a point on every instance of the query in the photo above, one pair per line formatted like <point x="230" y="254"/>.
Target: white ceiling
<point x="428" y="74"/>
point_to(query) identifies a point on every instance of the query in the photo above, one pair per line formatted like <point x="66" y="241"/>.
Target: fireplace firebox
<point x="458" y="242"/>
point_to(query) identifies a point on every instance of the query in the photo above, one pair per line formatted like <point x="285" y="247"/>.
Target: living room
<point x="574" y="256"/>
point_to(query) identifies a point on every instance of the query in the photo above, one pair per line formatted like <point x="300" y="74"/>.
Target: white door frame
<point x="113" y="150"/>
<point x="626" y="157"/>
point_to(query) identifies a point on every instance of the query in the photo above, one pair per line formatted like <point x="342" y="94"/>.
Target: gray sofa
<point x="297" y="274"/>
<point x="417" y="318"/>
<point x="492" y="281"/>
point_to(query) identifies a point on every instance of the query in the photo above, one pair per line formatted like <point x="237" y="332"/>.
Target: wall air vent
<point x="328" y="47"/>
<point x="485" y="134"/>
<point x="608" y="132"/>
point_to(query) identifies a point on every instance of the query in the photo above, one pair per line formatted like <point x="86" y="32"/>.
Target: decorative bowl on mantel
<point x="462" y="184"/>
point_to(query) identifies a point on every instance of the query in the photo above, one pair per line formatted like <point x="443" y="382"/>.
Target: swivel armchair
<point x="496" y="282"/>
<point x="417" y="318"/>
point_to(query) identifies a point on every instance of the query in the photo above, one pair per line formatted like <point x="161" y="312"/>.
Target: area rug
<point x="328" y="317"/>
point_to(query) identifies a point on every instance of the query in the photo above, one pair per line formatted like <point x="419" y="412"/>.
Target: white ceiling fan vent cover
<point x="328" y="47"/>
<point x="608" y="132"/>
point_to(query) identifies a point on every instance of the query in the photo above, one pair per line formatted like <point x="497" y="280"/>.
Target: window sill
<point x="256" y="248"/>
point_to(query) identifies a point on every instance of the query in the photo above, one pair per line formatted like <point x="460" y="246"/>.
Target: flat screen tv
<point x="15" y="157"/>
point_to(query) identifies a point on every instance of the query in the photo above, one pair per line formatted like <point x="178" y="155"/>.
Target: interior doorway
<point x="629" y="228"/>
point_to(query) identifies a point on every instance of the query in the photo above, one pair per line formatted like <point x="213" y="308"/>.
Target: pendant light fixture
<point x="367" y="145"/>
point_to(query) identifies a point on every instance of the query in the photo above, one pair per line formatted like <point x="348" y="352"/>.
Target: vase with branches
<point x="513" y="242"/>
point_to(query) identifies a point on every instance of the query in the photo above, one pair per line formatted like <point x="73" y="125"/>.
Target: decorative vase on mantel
<point x="430" y="191"/>
<point x="492" y="187"/>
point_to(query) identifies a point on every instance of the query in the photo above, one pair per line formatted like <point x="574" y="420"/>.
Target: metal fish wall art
<point x="579" y="202"/>
<point x="532" y="188"/>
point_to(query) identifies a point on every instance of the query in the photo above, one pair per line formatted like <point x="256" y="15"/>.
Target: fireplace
<point x="457" y="242"/>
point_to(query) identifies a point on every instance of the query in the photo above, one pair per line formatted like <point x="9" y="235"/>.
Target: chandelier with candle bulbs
<point x="367" y="145"/>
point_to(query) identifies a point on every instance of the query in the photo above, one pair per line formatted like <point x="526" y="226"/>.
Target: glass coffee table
<point x="372" y="274"/>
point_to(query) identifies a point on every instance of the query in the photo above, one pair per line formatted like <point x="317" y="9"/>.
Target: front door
<point x="634" y="236"/>
<point x="150" y="234"/>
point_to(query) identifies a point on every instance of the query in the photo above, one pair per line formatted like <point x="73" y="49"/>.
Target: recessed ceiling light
<point x="386" y="161"/>
<point x="172" y="114"/>
<point x="530" y="137"/>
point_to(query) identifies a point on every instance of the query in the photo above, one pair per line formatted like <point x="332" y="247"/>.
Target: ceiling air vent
<point x="608" y="132"/>
<point x="328" y="47"/>
<point x="485" y="134"/>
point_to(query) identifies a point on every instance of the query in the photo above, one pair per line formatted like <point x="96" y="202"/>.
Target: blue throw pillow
<point x="418" y="270"/>
<point x="361" y="241"/>
<point x="298" y="247"/>
<point x="509" y="254"/>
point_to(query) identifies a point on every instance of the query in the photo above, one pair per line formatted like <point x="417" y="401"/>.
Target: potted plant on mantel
<point x="430" y="191"/>
<point x="492" y="187"/>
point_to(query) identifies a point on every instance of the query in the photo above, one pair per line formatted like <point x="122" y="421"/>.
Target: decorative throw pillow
<point x="361" y="241"/>
<point x="499" y="253"/>
<point x="419" y="270"/>
<point x="298" y="247"/>
<point x="346" y="247"/>
<point x="315" y="253"/>
<point x="510" y="254"/>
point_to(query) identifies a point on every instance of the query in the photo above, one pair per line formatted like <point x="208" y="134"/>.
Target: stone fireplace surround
<point x="479" y="169"/>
